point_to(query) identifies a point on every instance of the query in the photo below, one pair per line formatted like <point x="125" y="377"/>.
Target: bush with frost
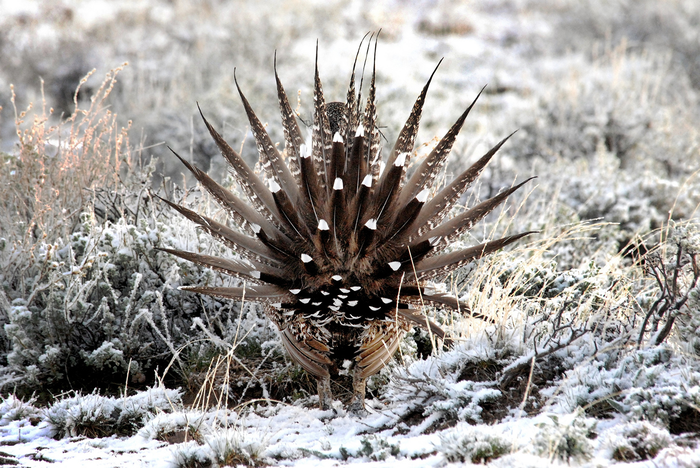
<point x="635" y="441"/>
<point x="467" y="444"/>
<point x="85" y="296"/>
<point x="97" y="416"/>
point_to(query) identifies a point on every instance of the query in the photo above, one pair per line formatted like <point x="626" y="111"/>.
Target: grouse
<point x="336" y="243"/>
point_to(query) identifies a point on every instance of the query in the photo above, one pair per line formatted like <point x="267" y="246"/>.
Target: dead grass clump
<point x="46" y="184"/>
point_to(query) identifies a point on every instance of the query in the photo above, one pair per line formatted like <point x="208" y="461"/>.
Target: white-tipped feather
<point x="338" y="184"/>
<point x="423" y="195"/>
<point x="400" y="159"/>
<point x="274" y="187"/>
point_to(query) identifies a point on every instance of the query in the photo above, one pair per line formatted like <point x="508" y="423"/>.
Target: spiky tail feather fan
<point x="335" y="249"/>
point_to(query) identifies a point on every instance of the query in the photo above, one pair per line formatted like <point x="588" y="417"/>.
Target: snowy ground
<point x="297" y="436"/>
<point x="604" y="95"/>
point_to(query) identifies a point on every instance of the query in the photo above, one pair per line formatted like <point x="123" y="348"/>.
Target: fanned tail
<point x="336" y="243"/>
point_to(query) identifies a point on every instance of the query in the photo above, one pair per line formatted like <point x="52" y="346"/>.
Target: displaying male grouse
<point x="336" y="248"/>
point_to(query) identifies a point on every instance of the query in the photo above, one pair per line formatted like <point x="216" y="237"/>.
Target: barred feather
<point x="292" y="135"/>
<point x="337" y="252"/>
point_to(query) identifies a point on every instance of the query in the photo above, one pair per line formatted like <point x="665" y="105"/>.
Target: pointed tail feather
<point x="252" y="292"/>
<point x="386" y="193"/>
<point x="241" y="212"/>
<point x="259" y="195"/>
<point x="351" y="109"/>
<point x="370" y="117"/>
<point x="337" y="165"/>
<point x="407" y="137"/>
<point x="272" y="162"/>
<point x="258" y="273"/>
<point x="356" y="167"/>
<point x="429" y="168"/>
<point x="292" y="134"/>
<point x="450" y="230"/>
<point x="311" y="188"/>
<point x="297" y="227"/>
<point x="433" y="266"/>
<point x="405" y="218"/>
<point x="321" y="135"/>
<point x="437" y="208"/>
<point x="241" y="243"/>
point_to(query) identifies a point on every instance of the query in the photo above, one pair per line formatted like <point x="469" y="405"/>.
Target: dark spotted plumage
<point x="337" y="249"/>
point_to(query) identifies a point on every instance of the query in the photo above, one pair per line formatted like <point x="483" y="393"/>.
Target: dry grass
<point x="50" y="180"/>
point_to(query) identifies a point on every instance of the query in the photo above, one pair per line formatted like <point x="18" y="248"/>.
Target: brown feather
<point x="334" y="245"/>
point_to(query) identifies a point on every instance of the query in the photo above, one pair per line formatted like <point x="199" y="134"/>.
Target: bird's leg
<point x="323" y="384"/>
<point x="357" y="403"/>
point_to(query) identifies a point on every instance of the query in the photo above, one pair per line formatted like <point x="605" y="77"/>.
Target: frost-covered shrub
<point x="105" y="303"/>
<point x="14" y="409"/>
<point x="191" y="455"/>
<point x="657" y="394"/>
<point x="165" y="424"/>
<point x="475" y="445"/>
<point x="86" y="300"/>
<point x="566" y="437"/>
<point x="675" y="268"/>
<point x="434" y="388"/>
<point x="653" y="384"/>
<point x="99" y="306"/>
<point x="372" y="447"/>
<point x="100" y="416"/>
<point x="636" y="441"/>
<point x="234" y="446"/>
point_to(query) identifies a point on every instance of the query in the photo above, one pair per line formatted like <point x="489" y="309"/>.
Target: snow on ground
<point x="301" y="437"/>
